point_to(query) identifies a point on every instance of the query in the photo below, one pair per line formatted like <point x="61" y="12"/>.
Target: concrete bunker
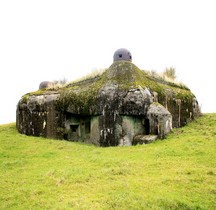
<point x="122" y="106"/>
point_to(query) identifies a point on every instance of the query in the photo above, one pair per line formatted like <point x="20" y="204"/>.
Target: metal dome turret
<point x="122" y="54"/>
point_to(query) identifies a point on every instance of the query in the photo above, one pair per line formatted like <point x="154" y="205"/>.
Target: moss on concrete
<point x="82" y="95"/>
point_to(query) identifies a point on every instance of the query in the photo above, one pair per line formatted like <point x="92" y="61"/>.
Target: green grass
<point x="176" y="173"/>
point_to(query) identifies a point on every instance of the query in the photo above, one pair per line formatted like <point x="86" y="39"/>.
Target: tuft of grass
<point x="176" y="173"/>
<point x="93" y="74"/>
<point x="162" y="77"/>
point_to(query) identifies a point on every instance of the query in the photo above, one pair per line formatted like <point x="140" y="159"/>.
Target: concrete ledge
<point x="144" y="139"/>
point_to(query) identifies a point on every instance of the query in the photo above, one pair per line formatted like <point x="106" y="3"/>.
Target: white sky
<point x="55" y="39"/>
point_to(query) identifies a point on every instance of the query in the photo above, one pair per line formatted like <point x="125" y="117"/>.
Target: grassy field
<point x="176" y="173"/>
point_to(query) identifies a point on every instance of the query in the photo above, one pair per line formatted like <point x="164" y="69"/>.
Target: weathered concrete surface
<point x="160" y="120"/>
<point x="37" y="116"/>
<point x="108" y="110"/>
<point x="131" y="126"/>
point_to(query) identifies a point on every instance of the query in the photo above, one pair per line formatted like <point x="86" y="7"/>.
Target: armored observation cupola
<point x="122" y="54"/>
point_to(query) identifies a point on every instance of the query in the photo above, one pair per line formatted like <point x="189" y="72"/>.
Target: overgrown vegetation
<point x="168" y="76"/>
<point x="177" y="173"/>
<point x="170" y="73"/>
<point x="86" y="90"/>
<point x="93" y="74"/>
<point x="57" y="84"/>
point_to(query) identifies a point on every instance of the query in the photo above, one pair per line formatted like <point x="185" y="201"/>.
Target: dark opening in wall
<point x="65" y="136"/>
<point x="74" y="128"/>
<point x="87" y="127"/>
<point x="147" y="126"/>
<point x="120" y="55"/>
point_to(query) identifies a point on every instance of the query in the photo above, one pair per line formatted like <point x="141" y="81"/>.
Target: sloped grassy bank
<point x="177" y="173"/>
